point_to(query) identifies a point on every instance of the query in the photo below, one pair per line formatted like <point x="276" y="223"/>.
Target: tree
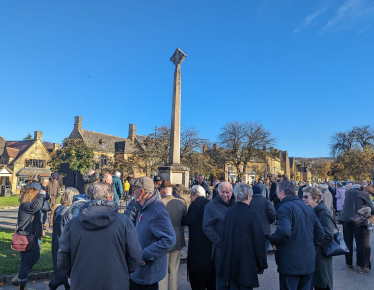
<point x="245" y="142"/>
<point x="323" y="168"/>
<point x="28" y="137"/>
<point x="74" y="152"/>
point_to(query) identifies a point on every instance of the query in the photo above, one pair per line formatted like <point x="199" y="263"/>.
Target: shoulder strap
<point x="334" y="222"/>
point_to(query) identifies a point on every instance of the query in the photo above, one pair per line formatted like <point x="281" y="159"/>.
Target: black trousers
<point x="350" y="231"/>
<point x="28" y="260"/>
<point x="136" y="286"/>
<point x="295" y="282"/>
<point x="202" y="280"/>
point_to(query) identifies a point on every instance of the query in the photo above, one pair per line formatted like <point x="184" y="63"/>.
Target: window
<point x="103" y="160"/>
<point x="21" y="181"/>
<point x="35" y="163"/>
<point x="268" y="168"/>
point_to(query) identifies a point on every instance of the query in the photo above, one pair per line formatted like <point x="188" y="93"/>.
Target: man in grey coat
<point x="99" y="248"/>
<point x="214" y="215"/>
<point x="263" y="188"/>
<point x="177" y="209"/>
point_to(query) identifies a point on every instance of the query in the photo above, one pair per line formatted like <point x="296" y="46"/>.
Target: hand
<point x="143" y="263"/>
<point x="274" y="247"/>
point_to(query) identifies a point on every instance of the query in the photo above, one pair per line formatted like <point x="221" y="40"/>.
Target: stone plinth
<point x="176" y="173"/>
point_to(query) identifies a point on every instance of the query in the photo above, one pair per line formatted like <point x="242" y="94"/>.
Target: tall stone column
<point x="174" y="171"/>
<point x="174" y="153"/>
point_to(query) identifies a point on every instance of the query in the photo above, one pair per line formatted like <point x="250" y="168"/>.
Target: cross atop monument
<point x="178" y="57"/>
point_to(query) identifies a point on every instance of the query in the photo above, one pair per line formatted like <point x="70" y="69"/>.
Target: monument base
<point x="176" y="173"/>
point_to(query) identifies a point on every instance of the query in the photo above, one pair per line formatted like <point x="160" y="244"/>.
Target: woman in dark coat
<point x="200" y="267"/>
<point x="61" y="216"/>
<point x="244" y="254"/>
<point x="322" y="276"/>
<point x="29" y="223"/>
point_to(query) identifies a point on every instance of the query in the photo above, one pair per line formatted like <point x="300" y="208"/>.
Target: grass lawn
<point x="9" y="201"/>
<point x="10" y="259"/>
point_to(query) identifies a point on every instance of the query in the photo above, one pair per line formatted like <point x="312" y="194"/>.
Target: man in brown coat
<point x="177" y="209"/>
<point x="53" y="189"/>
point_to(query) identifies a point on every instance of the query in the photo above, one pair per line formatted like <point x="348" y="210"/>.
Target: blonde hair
<point x="28" y="194"/>
<point x="67" y="196"/>
<point x="44" y="180"/>
<point x="314" y="192"/>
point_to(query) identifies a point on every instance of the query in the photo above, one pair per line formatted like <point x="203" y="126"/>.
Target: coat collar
<point x="289" y="198"/>
<point x="231" y="202"/>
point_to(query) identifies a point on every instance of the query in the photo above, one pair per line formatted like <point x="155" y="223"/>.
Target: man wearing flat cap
<point x="177" y="210"/>
<point x="156" y="235"/>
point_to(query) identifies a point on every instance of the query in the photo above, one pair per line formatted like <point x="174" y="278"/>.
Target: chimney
<point x="264" y="148"/>
<point x="78" y="123"/>
<point x="132" y="132"/>
<point x="271" y="149"/>
<point x="38" y="135"/>
<point x="215" y="146"/>
<point x="56" y="146"/>
<point x="205" y="148"/>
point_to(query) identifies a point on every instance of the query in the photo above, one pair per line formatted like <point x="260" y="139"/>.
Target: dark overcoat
<point x="243" y="246"/>
<point x="322" y="276"/>
<point x="199" y="246"/>
<point x="298" y="233"/>
<point x="354" y="200"/>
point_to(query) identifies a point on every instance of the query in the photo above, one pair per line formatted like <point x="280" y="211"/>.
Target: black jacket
<point x="354" y="200"/>
<point x="298" y="233"/>
<point x="273" y="195"/>
<point x="300" y="192"/>
<point x="206" y="186"/>
<point x="199" y="246"/>
<point x="99" y="248"/>
<point x="132" y="210"/>
<point x="333" y="192"/>
<point x="265" y="210"/>
<point x="29" y="217"/>
<point x="243" y="246"/>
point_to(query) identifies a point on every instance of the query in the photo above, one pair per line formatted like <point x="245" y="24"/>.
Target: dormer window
<point x="102" y="143"/>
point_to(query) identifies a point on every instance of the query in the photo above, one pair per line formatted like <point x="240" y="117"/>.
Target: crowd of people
<point x="95" y="246"/>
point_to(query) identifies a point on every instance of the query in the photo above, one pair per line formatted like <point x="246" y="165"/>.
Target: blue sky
<point x="304" y="69"/>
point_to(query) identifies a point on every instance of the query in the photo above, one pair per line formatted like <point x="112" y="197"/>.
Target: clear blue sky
<point x="304" y="69"/>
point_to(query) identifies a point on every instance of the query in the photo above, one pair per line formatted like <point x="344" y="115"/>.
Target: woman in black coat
<point x="29" y="223"/>
<point x="200" y="267"/>
<point x="244" y="254"/>
<point x="61" y="216"/>
<point x="322" y="276"/>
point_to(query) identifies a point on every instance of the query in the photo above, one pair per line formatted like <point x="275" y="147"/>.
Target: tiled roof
<point x="12" y="152"/>
<point x="105" y="143"/>
<point x="21" y="146"/>
<point x="6" y="168"/>
<point x="34" y="171"/>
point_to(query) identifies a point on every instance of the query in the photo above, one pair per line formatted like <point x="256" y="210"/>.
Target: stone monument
<point x="174" y="171"/>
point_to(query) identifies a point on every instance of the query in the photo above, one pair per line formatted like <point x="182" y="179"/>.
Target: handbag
<point x="46" y="207"/>
<point x="22" y="243"/>
<point x="357" y="219"/>
<point x="337" y="246"/>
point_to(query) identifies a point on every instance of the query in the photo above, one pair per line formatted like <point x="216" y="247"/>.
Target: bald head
<point x="107" y="178"/>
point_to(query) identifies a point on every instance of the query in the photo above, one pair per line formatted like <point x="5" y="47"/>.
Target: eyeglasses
<point x="305" y="196"/>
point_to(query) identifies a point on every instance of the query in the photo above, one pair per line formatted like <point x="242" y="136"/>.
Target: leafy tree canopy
<point x="28" y="138"/>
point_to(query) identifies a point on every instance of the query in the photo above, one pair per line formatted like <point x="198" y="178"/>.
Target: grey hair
<point x="101" y="190"/>
<point x="199" y="175"/>
<point x="288" y="187"/>
<point x="168" y="189"/>
<point x="89" y="172"/>
<point x="117" y="173"/>
<point x="198" y="190"/>
<point x="67" y="196"/>
<point x="331" y="182"/>
<point x="356" y="186"/>
<point x="242" y="191"/>
<point x="222" y="183"/>
<point x="104" y="177"/>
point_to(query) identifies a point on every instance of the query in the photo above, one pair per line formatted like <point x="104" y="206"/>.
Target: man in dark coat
<point x="213" y="225"/>
<point x="354" y="200"/>
<point x="200" y="266"/>
<point x="333" y="193"/>
<point x="200" y="181"/>
<point x="263" y="187"/>
<point x="300" y="191"/>
<point x="298" y="233"/>
<point x="90" y="178"/>
<point x="117" y="187"/>
<point x="266" y="212"/>
<point x="273" y="194"/>
<point x="244" y="253"/>
<point x="99" y="248"/>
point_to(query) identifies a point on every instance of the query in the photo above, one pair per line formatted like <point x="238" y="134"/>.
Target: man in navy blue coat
<point x="298" y="233"/>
